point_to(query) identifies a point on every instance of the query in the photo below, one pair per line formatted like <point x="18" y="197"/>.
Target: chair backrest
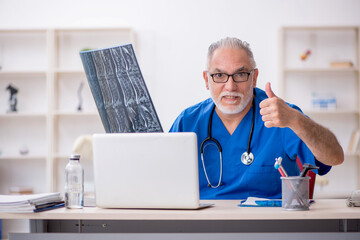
<point x="312" y="176"/>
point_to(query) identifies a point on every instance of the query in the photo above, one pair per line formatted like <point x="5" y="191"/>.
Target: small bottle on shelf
<point x="74" y="183"/>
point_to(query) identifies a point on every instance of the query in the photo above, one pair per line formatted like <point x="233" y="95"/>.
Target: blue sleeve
<point x="323" y="169"/>
<point x="177" y="125"/>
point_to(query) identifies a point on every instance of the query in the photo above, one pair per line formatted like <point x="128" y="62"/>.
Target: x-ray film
<point x="119" y="90"/>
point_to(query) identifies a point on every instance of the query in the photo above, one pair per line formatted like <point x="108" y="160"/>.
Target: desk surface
<point x="222" y="210"/>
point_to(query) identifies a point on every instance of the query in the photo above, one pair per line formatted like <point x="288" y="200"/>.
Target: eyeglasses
<point x="237" y="77"/>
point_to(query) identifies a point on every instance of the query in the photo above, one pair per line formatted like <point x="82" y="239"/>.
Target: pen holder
<point x="295" y="193"/>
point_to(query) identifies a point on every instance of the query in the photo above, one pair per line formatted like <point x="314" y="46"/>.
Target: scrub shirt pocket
<point x="262" y="169"/>
<point x="264" y="181"/>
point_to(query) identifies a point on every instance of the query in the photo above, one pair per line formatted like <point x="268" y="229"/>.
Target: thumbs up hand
<point x="269" y="91"/>
<point x="275" y="112"/>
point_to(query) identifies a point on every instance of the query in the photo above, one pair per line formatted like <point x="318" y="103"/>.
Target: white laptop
<point x="146" y="170"/>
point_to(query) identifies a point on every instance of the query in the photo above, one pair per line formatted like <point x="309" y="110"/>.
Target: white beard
<point x="232" y="109"/>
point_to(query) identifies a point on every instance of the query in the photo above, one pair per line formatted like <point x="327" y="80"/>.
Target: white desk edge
<point x="222" y="210"/>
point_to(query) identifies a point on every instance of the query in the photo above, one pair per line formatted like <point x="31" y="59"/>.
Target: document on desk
<point x="30" y="203"/>
<point x="260" y="202"/>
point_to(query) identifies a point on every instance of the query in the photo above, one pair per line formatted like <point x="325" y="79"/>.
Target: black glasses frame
<point x="232" y="76"/>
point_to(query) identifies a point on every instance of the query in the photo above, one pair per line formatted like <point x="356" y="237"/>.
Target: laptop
<point x="146" y="170"/>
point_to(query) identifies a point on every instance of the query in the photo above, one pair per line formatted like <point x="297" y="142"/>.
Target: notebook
<point x="146" y="170"/>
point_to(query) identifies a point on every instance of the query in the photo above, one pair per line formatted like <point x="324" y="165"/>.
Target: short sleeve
<point x="323" y="169"/>
<point x="177" y="125"/>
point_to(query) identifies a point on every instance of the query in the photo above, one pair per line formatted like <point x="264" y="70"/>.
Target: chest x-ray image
<point x="119" y="90"/>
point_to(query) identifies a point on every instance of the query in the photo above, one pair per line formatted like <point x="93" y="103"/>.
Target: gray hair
<point x="231" y="43"/>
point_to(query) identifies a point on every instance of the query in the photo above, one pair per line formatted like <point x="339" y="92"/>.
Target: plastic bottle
<point x="74" y="183"/>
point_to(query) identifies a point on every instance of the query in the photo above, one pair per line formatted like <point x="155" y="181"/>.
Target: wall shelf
<point x="320" y="70"/>
<point x="310" y="80"/>
<point x="76" y="114"/>
<point x="22" y="115"/>
<point x="70" y="71"/>
<point x="45" y="65"/>
<point x="354" y="155"/>
<point x="23" y="157"/>
<point x="25" y="72"/>
<point x="331" y="112"/>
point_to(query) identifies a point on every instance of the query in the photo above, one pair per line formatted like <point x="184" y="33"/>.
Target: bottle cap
<point x="75" y="157"/>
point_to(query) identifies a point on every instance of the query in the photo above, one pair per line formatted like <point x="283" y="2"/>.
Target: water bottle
<point x="74" y="183"/>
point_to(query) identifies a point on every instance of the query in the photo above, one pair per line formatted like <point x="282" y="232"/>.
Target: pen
<point x="283" y="173"/>
<point x="278" y="166"/>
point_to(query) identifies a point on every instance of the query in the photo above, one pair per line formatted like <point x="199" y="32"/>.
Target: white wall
<point x="173" y="36"/>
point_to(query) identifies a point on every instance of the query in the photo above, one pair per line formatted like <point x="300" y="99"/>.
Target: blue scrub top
<point x="260" y="179"/>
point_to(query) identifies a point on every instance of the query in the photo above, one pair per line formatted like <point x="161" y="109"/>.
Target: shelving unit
<point x="45" y="66"/>
<point x="302" y="79"/>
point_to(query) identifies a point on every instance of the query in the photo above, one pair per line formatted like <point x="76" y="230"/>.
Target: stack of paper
<point x="30" y="203"/>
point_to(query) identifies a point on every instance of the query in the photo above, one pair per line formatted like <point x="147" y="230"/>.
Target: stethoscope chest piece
<point x="247" y="158"/>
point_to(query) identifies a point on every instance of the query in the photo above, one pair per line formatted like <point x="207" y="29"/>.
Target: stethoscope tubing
<point x="210" y="138"/>
<point x="252" y="127"/>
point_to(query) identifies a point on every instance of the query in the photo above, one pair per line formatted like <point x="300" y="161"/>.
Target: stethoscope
<point x="247" y="157"/>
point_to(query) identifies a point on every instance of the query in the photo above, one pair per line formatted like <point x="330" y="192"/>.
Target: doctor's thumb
<point x="269" y="91"/>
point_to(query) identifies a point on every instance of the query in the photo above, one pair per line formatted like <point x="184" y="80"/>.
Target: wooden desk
<point x="225" y="216"/>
